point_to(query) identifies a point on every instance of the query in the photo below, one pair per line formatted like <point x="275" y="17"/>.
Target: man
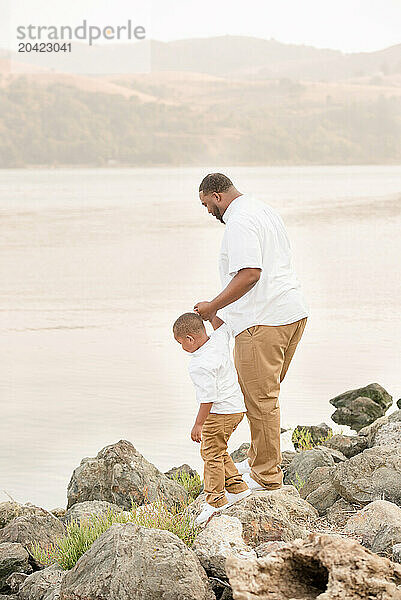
<point x="265" y="308"/>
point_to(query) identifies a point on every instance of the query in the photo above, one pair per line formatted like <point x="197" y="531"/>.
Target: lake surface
<point x="95" y="265"/>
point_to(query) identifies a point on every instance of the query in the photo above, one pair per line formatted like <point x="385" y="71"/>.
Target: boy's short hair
<point x="187" y="324"/>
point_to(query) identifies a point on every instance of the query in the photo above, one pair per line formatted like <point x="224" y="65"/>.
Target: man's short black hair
<point x="215" y="182"/>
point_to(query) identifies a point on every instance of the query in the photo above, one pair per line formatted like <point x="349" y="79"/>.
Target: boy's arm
<point x="204" y="410"/>
<point x="216" y="322"/>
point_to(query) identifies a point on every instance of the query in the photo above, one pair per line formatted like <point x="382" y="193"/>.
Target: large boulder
<point x="373" y="474"/>
<point x="360" y="407"/>
<point x="389" y="434"/>
<point x="121" y="475"/>
<point x="323" y="566"/>
<point x="386" y="538"/>
<point x="128" y="562"/>
<point x="42" y="585"/>
<point x="13" y="557"/>
<point x="338" y="514"/>
<point x="82" y="511"/>
<point x="348" y="445"/>
<point x="319" y="490"/>
<point x="367" y="522"/>
<point x="273" y="515"/>
<point x="11" y="509"/>
<point x="222" y="537"/>
<point x="369" y="432"/>
<point x="304" y="463"/>
<point x="37" y="525"/>
<point x="315" y="434"/>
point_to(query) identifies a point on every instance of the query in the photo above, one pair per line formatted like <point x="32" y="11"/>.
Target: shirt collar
<point x="200" y="350"/>
<point x="231" y="208"/>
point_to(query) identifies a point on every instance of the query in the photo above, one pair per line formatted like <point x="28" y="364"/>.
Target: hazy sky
<point x="348" y="25"/>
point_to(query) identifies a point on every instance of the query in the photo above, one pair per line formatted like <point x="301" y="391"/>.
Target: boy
<point x="221" y="408"/>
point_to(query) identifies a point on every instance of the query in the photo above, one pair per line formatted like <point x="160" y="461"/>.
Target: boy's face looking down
<point x="190" y="332"/>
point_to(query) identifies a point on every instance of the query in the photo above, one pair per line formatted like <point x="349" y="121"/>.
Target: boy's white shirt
<point x="214" y="375"/>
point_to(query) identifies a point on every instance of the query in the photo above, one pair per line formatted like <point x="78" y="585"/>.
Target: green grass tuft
<point x="81" y="535"/>
<point x="191" y="483"/>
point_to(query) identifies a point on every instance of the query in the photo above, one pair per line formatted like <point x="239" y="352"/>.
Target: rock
<point x="360" y="407"/>
<point x="340" y="512"/>
<point x="323" y="497"/>
<point x="385" y="539"/>
<point x="399" y="402"/>
<point x="323" y="566"/>
<point x="58" y="512"/>
<point x="36" y="525"/>
<point x="121" y="475"/>
<point x="368" y="521"/>
<point x="273" y="515"/>
<point x="318" y="476"/>
<point x="336" y="454"/>
<point x="388" y="435"/>
<point x="13" y="557"/>
<point x="128" y="562"/>
<point x="369" y="432"/>
<point x="314" y="433"/>
<point x="373" y="474"/>
<point x="222" y="537"/>
<point x="348" y="445"/>
<point x="42" y="585"/>
<point x="15" y="580"/>
<point x="319" y="490"/>
<point x="287" y="456"/>
<point x="240" y="453"/>
<point x="268" y="547"/>
<point x="304" y="463"/>
<point x="10" y="509"/>
<point x="394" y="417"/>
<point x="396" y="554"/>
<point x="81" y="511"/>
<point x="172" y="473"/>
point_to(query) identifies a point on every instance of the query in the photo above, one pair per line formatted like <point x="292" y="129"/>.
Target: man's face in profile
<point x="210" y="202"/>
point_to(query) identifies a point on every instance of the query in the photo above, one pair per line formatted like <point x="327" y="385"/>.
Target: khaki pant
<point x="220" y="473"/>
<point x="262" y="356"/>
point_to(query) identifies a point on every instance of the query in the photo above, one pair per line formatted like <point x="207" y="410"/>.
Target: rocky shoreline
<point x="333" y="531"/>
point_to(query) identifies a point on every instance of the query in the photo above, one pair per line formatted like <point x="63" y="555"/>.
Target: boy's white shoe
<point x="243" y="467"/>
<point x="207" y="511"/>
<point x="233" y="498"/>
<point x="251" y="483"/>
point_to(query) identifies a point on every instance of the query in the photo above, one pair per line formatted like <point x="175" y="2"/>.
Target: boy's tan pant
<point x="220" y="473"/>
<point x="262" y="356"/>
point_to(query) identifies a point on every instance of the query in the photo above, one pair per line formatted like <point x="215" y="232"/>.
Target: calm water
<point x="96" y="264"/>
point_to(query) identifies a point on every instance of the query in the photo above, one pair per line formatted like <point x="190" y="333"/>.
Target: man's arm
<point x="239" y="285"/>
<point x="204" y="410"/>
<point x="216" y="322"/>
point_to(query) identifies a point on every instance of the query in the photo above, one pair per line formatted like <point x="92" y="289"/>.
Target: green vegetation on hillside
<point x="57" y="124"/>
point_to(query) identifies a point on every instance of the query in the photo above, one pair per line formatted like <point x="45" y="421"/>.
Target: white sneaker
<point x="251" y="483"/>
<point x="243" y="467"/>
<point x="207" y="512"/>
<point x="233" y="498"/>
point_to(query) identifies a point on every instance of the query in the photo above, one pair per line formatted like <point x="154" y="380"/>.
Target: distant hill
<point x="229" y="57"/>
<point x="225" y="100"/>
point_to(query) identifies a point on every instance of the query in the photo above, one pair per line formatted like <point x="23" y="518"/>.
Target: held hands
<point x="206" y="310"/>
<point x="196" y="433"/>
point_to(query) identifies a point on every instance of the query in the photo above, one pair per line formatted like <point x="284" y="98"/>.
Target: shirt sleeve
<point x="243" y="247"/>
<point x="225" y="329"/>
<point x="204" y="381"/>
